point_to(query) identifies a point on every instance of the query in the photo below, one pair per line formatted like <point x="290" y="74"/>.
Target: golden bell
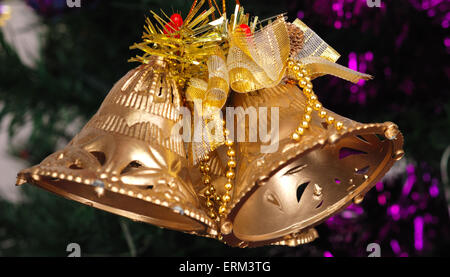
<point x="279" y="197"/>
<point x="126" y="161"/>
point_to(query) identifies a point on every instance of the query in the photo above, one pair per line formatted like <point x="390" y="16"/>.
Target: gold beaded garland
<point x="212" y="198"/>
<point x="231" y="165"/>
<point x="209" y="191"/>
<point x="313" y="104"/>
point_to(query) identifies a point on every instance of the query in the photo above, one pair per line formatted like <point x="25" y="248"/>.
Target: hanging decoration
<point x="129" y="160"/>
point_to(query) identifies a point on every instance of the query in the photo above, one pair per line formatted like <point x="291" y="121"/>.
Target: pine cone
<point x="296" y="39"/>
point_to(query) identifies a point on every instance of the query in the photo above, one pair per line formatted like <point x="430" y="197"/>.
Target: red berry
<point x="170" y="28"/>
<point x="166" y="29"/>
<point x="177" y="19"/>
<point x="246" y="29"/>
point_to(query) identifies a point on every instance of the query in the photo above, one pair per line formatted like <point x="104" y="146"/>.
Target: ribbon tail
<point x="208" y="98"/>
<point x="320" y="66"/>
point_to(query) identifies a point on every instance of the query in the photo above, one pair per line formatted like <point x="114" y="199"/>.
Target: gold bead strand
<point x="313" y="104"/>
<point x="300" y="73"/>
<point x="210" y="189"/>
<point x="231" y="165"/>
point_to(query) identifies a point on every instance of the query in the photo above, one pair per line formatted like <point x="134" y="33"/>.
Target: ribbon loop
<point x="258" y="60"/>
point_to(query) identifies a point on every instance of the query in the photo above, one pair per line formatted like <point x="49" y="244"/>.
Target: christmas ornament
<point x="131" y="158"/>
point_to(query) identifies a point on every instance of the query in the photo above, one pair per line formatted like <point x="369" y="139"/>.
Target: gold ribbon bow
<point x="258" y="61"/>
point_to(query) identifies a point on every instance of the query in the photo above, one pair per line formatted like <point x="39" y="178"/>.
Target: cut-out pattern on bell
<point x="126" y="161"/>
<point x="279" y="197"/>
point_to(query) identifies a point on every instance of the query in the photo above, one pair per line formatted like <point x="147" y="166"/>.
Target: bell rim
<point x="200" y="223"/>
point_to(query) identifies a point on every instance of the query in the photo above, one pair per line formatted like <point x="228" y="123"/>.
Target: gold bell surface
<point x="126" y="161"/>
<point x="279" y="197"/>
